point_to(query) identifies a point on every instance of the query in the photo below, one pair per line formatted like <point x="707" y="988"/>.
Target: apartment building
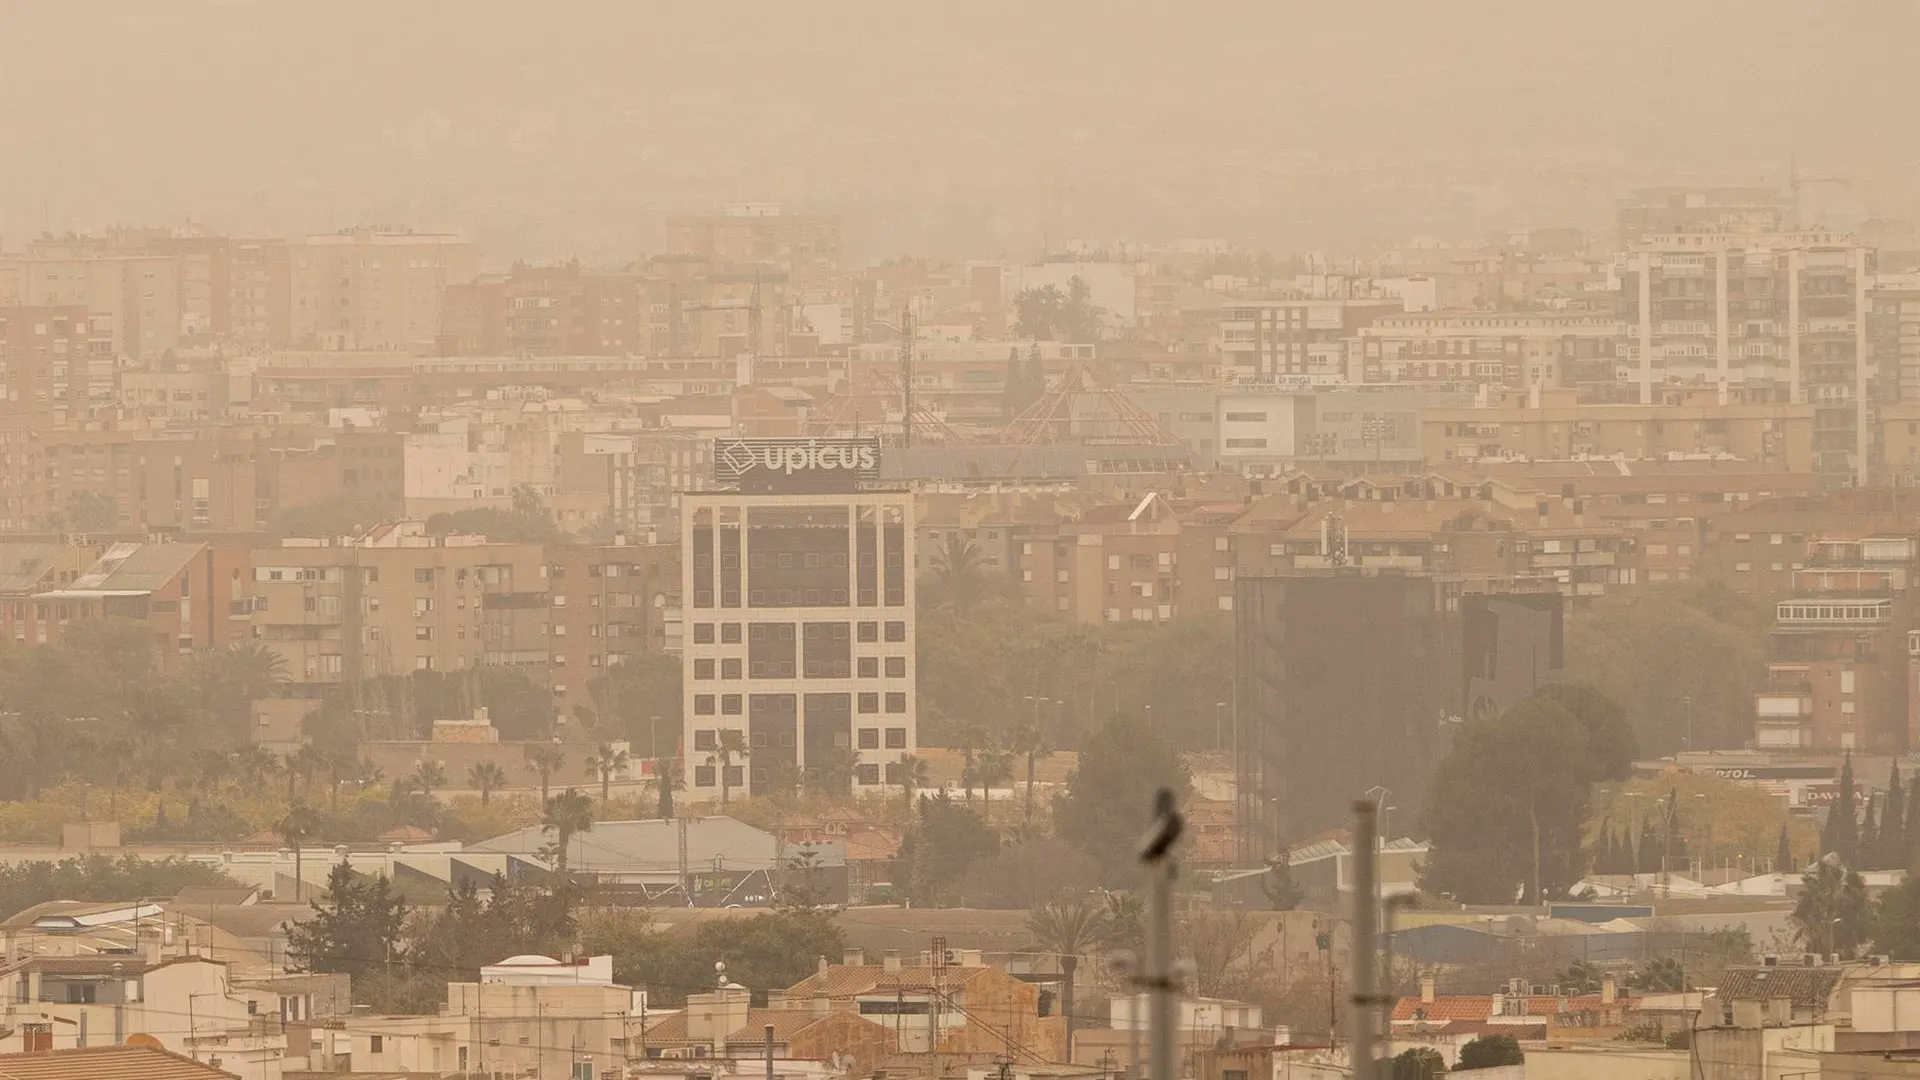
<point x="798" y="632"/>
<point x="1504" y="350"/>
<point x="607" y="604"/>
<point x="209" y="480"/>
<point x="137" y="298"/>
<point x="1301" y="339"/>
<point x="558" y="310"/>
<point x="56" y="364"/>
<point x="1838" y="677"/>
<point x="65" y="1003"/>
<point x="763" y="232"/>
<point x="371" y="288"/>
<point x="1153" y="560"/>
<point x="1686" y="423"/>
<point x="1667" y="211"/>
<point x="190" y="596"/>
<point x="27" y="569"/>
<point x="390" y="601"/>
<point x="1773" y="317"/>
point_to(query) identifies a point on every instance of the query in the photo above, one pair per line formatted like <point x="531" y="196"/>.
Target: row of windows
<point x="864" y="667"/>
<point x="708" y="739"/>
<point x="869" y="702"/>
<point x="729" y="633"/>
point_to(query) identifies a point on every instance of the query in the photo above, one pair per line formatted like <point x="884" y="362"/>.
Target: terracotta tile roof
<point x="1807" y="986"/>
<point x="848" y="980"/>
<point x="107" y="1063"/>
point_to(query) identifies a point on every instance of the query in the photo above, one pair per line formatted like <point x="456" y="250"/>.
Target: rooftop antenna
<point x="906" y="374"/>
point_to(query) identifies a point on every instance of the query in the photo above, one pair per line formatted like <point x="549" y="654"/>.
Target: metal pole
<point x="1365" y="961"/>
<point x="769" y="1052"/>
<point x="1156" y="851"/>
<point x="1133" y="1030"/>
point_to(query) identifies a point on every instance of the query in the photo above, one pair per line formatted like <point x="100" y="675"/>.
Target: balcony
<point x="1812" y="614"/>
<point x="1776" y="706"/>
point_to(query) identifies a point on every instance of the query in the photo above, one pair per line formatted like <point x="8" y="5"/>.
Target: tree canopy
<point x="1107" y="803"/>
<point x="1048" y="314"/>
<point x="1508" y="804"/>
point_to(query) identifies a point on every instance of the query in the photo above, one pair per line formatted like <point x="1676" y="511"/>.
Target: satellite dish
<point x="141" y="1038"/>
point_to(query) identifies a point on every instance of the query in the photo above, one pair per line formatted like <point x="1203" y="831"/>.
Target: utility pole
<point x="769" y="1052"/>
<point x="1366" y="998"/>
<point x="1156" y="851"/>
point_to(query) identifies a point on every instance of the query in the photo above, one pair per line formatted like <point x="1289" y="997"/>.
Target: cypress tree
<point x="1783" y="862"/>
<point x="1893" y="824"/>
<point x="1648" y="856"/>
<point x="1868" y="846"/>
<point x="1841" y="837"/>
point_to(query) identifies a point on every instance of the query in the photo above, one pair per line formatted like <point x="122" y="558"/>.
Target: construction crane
<point x="751" y="305"/>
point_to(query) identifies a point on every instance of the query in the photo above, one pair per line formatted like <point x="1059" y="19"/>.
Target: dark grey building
<point x="1349" y="680"/>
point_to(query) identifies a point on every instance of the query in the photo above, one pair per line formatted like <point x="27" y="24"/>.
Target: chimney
<point x="854" y="957"/>
<point x="821" y="1006"/>
<point x="1609" y="989"/>
<point x="1426" y="988"/>
<point x="892" y="961"/>
<point x="822" y="968"/>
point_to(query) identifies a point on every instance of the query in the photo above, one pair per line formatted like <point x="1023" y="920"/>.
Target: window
<point x="376" y="1043"/>
<point x="896" y="631"/>
<point x="868" y="667"/>
<point x="1246" y="418"/>
<point x="730" y="633"/>
<point x="703" y="633"/>
<point x="867" y="632"/>
<point x="703" y="739"/>
<point x="422" y="605"/>
<point x="423" y="663"/>
<point x="703" y="704"/>
<point x="896" y="703"/>
<point x="730" y="668"/>
<point x="869" y="703"/>
<point x="423" y="633"/>
<point x="735" y="775"/>
<point x="730" y="704"/>
<point x="869" y="738"/>
<point x="896" y="667"/>
<point x="896" y="738"/>
<point x="703" y="669"/>
<point x="867" y="774"/>
<point x="703" y="776"/>
<point x="423" y="575"/>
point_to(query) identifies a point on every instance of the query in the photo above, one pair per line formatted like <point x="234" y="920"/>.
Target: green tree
<point x="1105" y="807"/>
<point x="606" y="761"/>
<point x="1783" y="862"/>
<point x="640" y="698"/>
<point x="666" y="778"/>
<point x="357" y="928"/>
<point x="567" y="814"/>
<point x="486" y="777"/>
<point x="911" y="773"/>
<point x="91" y="511"/>
<point x="546" y="759"/>
<point x="1679" y="657"/>
<point x="99" y="878"/>
<point x="1069" y="928"/>
<point x="1892" y="838"/>
<point x="1419" y="1063"/>
<point x="1896" y="920"/>
<point x="1508" y="803"/>
<point x="1489" y="1052"/>
<point x="945" y="840"/>
<point x="1278" y="885"/>
<point x="1661" y="975"/>
<point x="730" y="746"/>
<point x="1832" y="912"/>
<point x="295" y="828"/>
<point x="1841" y="836"/>
<point x="514" y="526"/>
<point x="332" y="516"/>
<point x="429" y="776"/>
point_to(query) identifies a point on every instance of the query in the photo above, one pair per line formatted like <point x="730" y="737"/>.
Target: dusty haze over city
<point x="966" y="129"/>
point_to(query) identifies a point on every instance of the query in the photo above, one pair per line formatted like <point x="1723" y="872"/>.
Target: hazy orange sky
<point x="965" y="128"/>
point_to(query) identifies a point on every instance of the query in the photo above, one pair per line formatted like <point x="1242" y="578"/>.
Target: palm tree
<point x="913" y="777"/>
<point x="957" y="574"/>
<point x="299" y="825"/>
<point x="666" y="780"/>
<point x="1833" y="909"/>
<point x="731" y="745"/>
<point x="428" y="775"/>
<point x="255" y="764"/>
<point x="300" y="766"/>
<point x="1069" y="928"/>
<point x="1034" y="743"/>
<point x="567" y="813"/>
<point x="606" y="761"/>
<point x="996" y="766"/>
<point x="486" y="777"/>
<point x="546" y="760"/>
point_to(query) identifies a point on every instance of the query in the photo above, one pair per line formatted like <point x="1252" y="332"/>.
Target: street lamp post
<point x="1219" y="724"/>
<point x="1033" y="748"/>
